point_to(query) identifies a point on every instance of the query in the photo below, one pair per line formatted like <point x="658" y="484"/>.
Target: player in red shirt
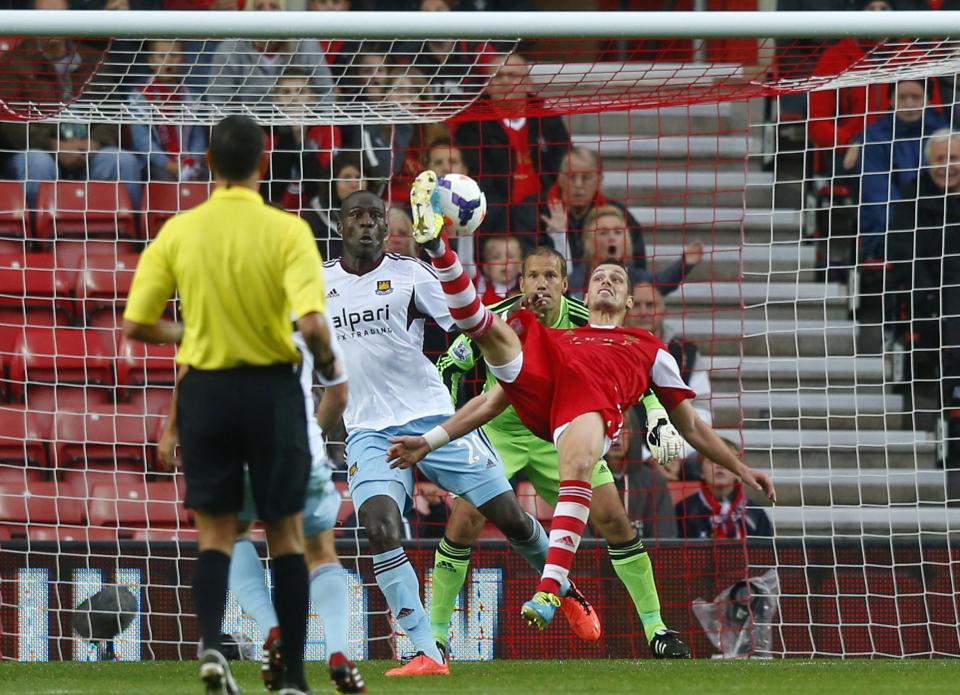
<point x="570" y="387"/>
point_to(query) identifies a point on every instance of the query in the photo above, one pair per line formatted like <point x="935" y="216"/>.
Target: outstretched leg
<point x="496" y="340"/>
<point x="580" y="447"/>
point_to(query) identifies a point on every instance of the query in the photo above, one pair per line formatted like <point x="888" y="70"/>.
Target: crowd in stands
<point x="890" y="143"/>
<point x="886" y="153"/>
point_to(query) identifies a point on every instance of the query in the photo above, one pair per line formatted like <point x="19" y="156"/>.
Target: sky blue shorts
<point x="468" y="467"/>
<point x="322" y="506"/>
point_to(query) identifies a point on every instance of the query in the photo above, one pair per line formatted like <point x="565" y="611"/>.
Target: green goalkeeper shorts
<point x="538" y="460"/>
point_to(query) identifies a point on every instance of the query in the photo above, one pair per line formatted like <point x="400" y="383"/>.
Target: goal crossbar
<point x="482" y="25"/>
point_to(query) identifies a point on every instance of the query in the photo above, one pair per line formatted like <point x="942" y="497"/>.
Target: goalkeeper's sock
<point x="468" y="312"/>
<point x="398" y="582"/>
<point x="633" y="566"/>
<point x="569" y="520"/>
<point x="534" y="550"/>
<point x="450" y="564"/>
<point x="328" y="592"/>
<point x="247" y="584"/>
<point x="210" y="573"/>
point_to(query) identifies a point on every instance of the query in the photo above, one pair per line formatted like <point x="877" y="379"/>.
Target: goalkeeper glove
<point x="663" y="440"/>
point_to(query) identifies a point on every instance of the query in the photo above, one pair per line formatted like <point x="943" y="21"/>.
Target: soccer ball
<point x="461" y="202"/>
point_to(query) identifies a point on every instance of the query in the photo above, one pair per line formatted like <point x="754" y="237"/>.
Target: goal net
<point x="785" y="207"/>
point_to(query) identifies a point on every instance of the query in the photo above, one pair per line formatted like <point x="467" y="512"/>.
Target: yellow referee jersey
<point x="241" y="268"/>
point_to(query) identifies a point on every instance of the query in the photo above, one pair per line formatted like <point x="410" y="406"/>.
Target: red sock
<point x="468" y="312"/>
<point x="569" y="520"/>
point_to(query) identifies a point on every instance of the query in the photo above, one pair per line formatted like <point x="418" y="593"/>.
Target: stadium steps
<point x="725" y="188"/>
<point x="788" y="449"/>
<point x="762" y="300"/>
<point x="852" y="486"/>
<point x="707" y="147"/>
<point x="780" y="263"/>
<point x="833" y="407"/>
<point x="780" y="373"/>
<point x="766" y="338"/>
<point x="908" y="520"/>
<point x="696" y="119"/>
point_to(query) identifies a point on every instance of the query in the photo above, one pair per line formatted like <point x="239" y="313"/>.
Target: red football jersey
<point x="569" y="372"/>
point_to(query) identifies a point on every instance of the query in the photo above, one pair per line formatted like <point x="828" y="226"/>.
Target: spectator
<point x="167" y="152"/>
<point x="323" y="212"/>
<point x="247" y="71"/>
<point x="400" y="233"/>
<point x="444" y="157"/>
<point x="605" y="235"/>
<point x="447" y="64"/>
<point x="299" y="154"/>
<point x="648" y="312"/>
<point x="646" y="495"/>
<point x="568" y="203"/>
<point x="514" y="157"/>
<point x="75" y="152"/>
<point x="41" y="74"/>
<point x="891" y="160"/>
<point x="338" y="52"/>
<point x="720" y="508"/>
<point x="839" y="116"/>
<point x="499" y="275"/>
<point x="923" y="253"/>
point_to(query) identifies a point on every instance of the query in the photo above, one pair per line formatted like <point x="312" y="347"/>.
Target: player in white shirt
<point x="328" y="584"/>
<point x="378" y="303"/>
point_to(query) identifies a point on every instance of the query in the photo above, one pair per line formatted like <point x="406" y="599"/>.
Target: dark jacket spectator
<point x="720" y="508"/>
<point x="514" y="157"/>
<point x="247" y="71"/>
<point x="891" y="160"/>
<point x="169" y="152"/>
<point x="923" y="252"/>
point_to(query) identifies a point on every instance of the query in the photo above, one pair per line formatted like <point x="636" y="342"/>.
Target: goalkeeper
<point x="545" y="273"/>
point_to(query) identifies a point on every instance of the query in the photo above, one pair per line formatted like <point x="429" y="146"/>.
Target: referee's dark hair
<point x="236" y="147"/>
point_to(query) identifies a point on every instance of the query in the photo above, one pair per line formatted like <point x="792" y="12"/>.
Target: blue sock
<point x="328" y="592"/>
<point x="246" y="582"/>
<point x="399" y="584"/>
<point x="534" y="551"/>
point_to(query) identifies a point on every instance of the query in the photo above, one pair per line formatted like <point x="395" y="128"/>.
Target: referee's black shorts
<point x="252" y="415"/>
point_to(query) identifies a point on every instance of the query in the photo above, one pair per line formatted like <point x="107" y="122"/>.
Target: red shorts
<point x="548" y="394"/>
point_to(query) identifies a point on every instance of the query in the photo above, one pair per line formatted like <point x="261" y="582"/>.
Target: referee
<point x="241" y="269"/>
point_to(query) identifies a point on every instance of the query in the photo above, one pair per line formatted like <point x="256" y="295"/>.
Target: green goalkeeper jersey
<point x="464" y="354"/>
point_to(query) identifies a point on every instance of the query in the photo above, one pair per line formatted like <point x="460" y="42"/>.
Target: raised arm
<point x="708" y="443"/>
<point x="408" y="451"/>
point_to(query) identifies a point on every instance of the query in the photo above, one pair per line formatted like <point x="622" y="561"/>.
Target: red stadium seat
<point x="169" y="535"/>
<point x="14" y="220"/>
<point x="4" y="533"/>
<point x="162" y="200"/>
<point x="139" y="363"/>
<point x="139" y="505"/>
<point x="22" y="475"/>
<point x="60" y="355"/>
<point x="148" y="401"/>
<point x="75" y="534"/>
<point x="80" y="482"/>
<point x="22" y="437"/>
<point x="104" y="282"/>
<point x="44" y="400"/>
<point x="40" y="502"/>
<point x="33" y="281"/>
<point x="84" y="209"/>
<point x="101" y="436"/>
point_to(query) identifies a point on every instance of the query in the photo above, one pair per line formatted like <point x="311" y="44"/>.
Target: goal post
<point x="720" y="155"/>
